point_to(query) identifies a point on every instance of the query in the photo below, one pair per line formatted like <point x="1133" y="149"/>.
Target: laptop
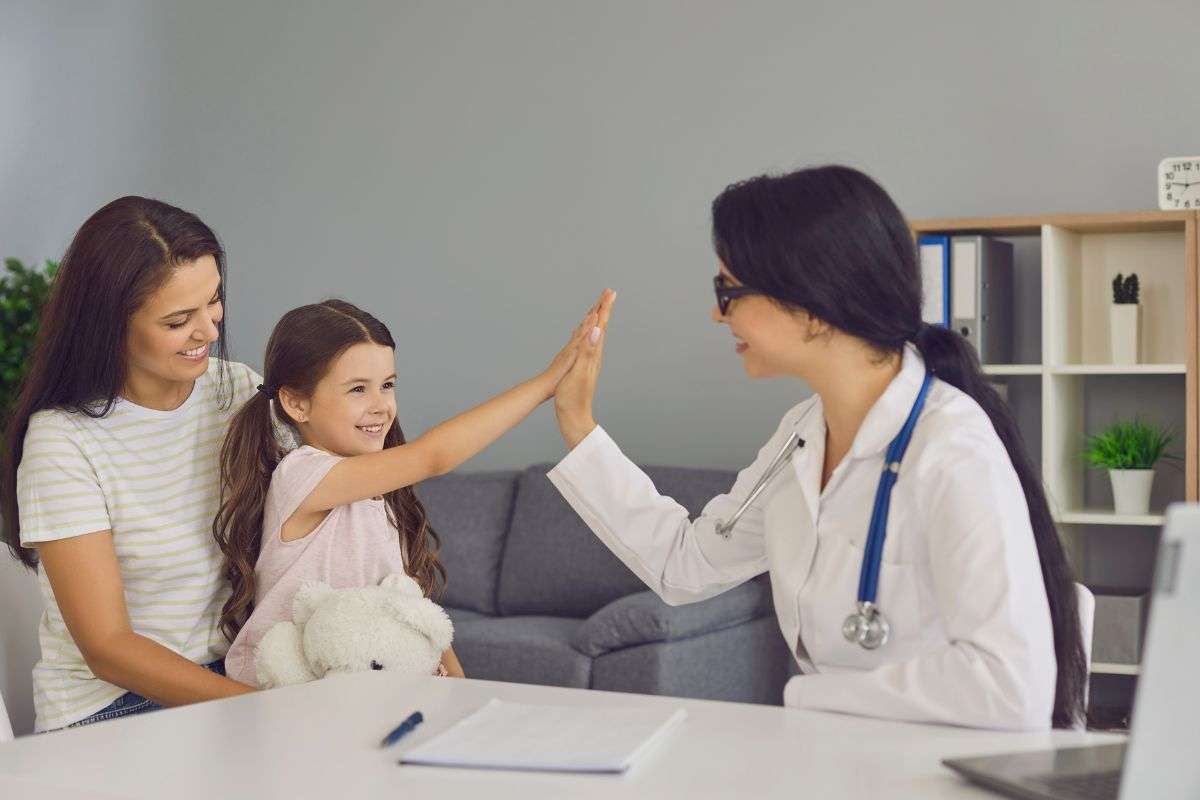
<point x="1162" y="757"/>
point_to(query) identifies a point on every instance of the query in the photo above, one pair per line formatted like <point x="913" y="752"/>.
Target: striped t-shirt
<point x="151" y="477"/>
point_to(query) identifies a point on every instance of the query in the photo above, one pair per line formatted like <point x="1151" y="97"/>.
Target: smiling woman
<point x="961" y="610"/>
<point x="110" y="471"/>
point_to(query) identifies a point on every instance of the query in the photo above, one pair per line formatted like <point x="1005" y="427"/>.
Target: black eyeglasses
<point x="727" y="294"/>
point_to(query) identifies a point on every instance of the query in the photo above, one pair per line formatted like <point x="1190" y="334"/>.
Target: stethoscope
<point x="867" y="626"/>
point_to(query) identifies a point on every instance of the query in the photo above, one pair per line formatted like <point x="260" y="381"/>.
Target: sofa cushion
<point x="460" y="615"/>
<point x="746" y="663"/>
<point x="554" y="565"/>
<point x="470" y="513"/>
<point x="522" y="650"/>
<point x="643" y="618"/>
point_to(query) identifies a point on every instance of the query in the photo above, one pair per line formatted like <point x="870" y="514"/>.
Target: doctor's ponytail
<point x="953" y="360"/>
<point x="831" y="242"/>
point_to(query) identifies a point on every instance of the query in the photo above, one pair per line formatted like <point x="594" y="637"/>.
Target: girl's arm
<point x="86" y="581"/>
<point x="445" y="446"/>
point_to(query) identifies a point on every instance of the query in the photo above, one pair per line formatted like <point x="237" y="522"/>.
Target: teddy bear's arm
<point x="279" y="658"/>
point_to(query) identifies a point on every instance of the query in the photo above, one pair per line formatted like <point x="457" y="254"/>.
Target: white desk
<point x="322" y="740"/>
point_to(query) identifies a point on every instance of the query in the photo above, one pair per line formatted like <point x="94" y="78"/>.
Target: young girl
<point x="340" y="507"/>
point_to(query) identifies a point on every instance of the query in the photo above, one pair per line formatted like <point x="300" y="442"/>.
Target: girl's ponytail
<point x="249" y="455"/>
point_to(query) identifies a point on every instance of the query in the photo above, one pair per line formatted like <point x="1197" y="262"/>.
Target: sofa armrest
<point x="643" y="618"/>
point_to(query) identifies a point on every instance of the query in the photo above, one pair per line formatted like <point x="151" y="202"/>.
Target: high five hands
<point x="577" y="368"/>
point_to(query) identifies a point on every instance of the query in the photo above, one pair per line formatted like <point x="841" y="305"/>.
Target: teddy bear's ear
<point x="427" y="617"/>
<point x="402" y="583"/>
<point x="307" y="598"/>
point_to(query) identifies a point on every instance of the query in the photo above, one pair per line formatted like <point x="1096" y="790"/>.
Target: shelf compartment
<point x="1076" y="405"/>
<point x="1079" y="267"/>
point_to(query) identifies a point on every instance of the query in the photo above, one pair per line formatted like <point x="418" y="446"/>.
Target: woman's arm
<point x="86" y="580"/>
<point x="680" y="559"/>
<point x="444" y="446"/>
<point x="451" y="664"/>
<point x="683" y="561"/>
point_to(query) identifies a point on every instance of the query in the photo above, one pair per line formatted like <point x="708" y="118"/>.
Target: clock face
<point x="1179" y="183"/>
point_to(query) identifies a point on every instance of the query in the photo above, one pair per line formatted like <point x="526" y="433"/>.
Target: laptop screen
<point x="1163" y="760"/>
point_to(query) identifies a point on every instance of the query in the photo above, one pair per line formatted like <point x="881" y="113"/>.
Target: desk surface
<point x="322" y="740"/>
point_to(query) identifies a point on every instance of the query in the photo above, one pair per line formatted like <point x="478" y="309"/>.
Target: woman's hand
<point x="566" y="357"/>
<point x="573" y="397"/>
<point x="450" y="666"/>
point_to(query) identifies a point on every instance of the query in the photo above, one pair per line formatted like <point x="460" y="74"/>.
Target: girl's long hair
<point x="830" y="241"/>
<point x="119" y="257"/>
<point x="302" y="348"/>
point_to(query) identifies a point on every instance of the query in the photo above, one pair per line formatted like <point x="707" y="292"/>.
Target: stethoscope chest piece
<point x="867" y="627"/>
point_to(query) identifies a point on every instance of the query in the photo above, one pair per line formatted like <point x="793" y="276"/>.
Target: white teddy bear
<point x="391" y="626"/>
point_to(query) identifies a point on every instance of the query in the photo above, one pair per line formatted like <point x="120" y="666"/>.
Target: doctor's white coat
<point x="961" y="585"/>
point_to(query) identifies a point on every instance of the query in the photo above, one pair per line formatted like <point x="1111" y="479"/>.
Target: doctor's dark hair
<point x="830" y="241"/>
<point x="302" y="348"/>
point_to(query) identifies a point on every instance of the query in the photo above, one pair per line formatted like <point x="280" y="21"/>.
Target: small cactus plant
<point x="1125" y="289"/>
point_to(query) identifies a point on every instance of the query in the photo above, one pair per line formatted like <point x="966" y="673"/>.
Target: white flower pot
<point x="1124" y="329"/>
<point x="1131" y="490"/>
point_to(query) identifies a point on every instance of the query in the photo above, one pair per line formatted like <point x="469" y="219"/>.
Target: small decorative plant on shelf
<point x="1129" y="450"/>
<point x="1125" y="319"/>
<point x="23" y="292"/>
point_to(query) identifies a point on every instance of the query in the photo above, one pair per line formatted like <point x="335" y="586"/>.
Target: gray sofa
<point x="536" y="598"/>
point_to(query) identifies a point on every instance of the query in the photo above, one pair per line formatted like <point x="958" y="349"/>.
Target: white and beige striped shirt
<point x="151" y="477"/>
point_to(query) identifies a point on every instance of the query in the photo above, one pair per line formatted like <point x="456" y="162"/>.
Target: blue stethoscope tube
<point x="867" y="626"/>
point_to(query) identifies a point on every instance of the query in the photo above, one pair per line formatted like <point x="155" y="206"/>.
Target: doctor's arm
<point x="680" y="560"/>
<point x="998" y="668"/>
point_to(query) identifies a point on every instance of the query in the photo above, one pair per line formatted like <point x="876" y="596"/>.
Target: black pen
<point x="415" y="719"/>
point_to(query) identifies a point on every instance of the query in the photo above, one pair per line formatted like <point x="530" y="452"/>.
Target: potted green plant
<point x="23" y="292"/>
<point x="1129" y="449"/>
<point x="1125" y="319"/>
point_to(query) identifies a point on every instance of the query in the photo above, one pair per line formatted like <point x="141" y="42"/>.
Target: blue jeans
<point x="130" y="703"/>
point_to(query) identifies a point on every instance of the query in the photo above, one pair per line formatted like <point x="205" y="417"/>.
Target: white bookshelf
<point x="1069" y="388"/>
<point x="1077" y="256"/>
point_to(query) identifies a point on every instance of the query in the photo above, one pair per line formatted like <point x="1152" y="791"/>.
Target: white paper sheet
<point x="553" y="738"/>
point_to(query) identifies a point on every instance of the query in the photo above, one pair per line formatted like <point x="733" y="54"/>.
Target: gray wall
<point x="474" y="173"/>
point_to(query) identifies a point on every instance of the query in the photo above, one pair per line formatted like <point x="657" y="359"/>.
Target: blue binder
<point x="934" y="256"/>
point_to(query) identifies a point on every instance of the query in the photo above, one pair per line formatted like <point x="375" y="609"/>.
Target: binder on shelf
<point x="935" y="278"/>
<point x="981" y="297"/>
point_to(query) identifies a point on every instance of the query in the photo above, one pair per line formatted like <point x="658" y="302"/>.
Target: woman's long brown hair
<point x="302" y="348"/>
<point x="121" y="255"/>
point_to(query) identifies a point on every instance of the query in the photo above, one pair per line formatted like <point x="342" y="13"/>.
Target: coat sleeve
<point x="683" y="561"/>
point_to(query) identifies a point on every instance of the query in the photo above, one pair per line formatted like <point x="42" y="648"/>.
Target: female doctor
<point x="915" y="569"/>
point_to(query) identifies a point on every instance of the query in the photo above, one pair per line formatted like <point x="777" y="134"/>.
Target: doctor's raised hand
<point x="573" y="397"/>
